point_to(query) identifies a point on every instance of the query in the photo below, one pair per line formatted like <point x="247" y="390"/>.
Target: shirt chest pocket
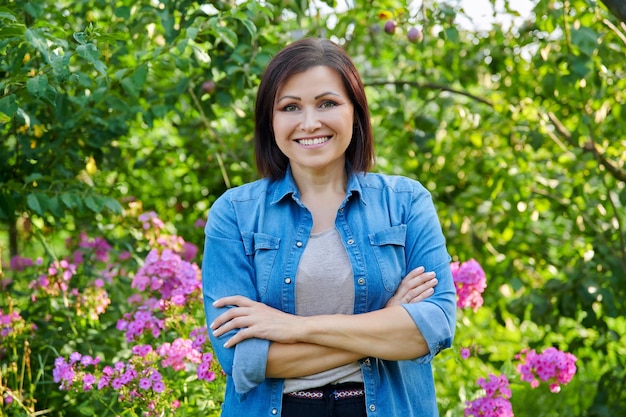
<point x="388" y="246"/>
<point x="263" y="249"/>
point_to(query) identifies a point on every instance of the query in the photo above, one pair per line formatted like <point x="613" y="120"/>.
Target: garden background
<point x="122" y="121"/>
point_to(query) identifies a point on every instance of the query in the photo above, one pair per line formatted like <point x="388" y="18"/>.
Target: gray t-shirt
<point x="325" y="285"/>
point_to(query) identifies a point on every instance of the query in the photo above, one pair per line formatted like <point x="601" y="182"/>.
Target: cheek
<point x="281" y="127"/>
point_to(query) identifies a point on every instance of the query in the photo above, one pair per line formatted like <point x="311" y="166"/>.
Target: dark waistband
<point x="337" y="391"/>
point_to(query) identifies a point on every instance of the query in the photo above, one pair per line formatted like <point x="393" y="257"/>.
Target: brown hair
<point x="298" y="57"/>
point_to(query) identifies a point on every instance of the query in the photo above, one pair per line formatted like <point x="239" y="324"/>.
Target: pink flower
<point x="495" y="403"/>
<point x="552" y="366"/>
<point x="465" y="353"/>
<point x="470" y="282"/>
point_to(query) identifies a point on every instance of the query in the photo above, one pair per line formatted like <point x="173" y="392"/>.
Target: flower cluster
<point x="56" y="281"/>
<point x="169" y="276"/>
<point x="20" y="263"/>
<point x="139" y="381"/>
<point x="151" y="220"/>
<point x="137" y="323"/>
<point x="470" y="282"/>
<point x="495" y="402"/>
<point x="552" y="366"/>
<point x="97" y="247"/>
<point x="67" y="372"/>
<point x="136" y="382"/>
<point x="9" y="323"/>
<point x="93" y="301"/>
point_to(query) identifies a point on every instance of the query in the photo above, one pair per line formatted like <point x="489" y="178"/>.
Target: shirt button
<point x="299" y="244"/>
<point x="366" y="361"/>
<point x="361" y="281"/>
<point x="274" y="411"/>
<point x="340" y="210"/>
<point x="287" y="280"/>
<point x="372" y="407"/>
<point x="350" y="241"/>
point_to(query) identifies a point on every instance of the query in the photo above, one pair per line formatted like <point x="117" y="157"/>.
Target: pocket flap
<point x="395" y="235"/>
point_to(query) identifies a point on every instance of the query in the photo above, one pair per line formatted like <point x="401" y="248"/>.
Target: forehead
<point x="316" y="78"/>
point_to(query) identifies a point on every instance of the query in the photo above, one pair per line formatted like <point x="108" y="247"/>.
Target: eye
<point x="289" y="108"/>
<point x="328" y="104"/>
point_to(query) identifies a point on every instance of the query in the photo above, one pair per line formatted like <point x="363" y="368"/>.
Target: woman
<point x="319" y="279"/>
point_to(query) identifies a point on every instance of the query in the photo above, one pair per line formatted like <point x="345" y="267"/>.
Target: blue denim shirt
<point x="255" y="236"/>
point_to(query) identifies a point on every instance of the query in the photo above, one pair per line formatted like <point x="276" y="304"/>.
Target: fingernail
<point x="211" y="325"/>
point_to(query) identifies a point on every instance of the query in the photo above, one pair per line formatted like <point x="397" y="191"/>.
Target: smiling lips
<point x="313" y="141"/>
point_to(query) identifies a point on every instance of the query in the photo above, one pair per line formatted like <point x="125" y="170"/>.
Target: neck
<point x="316" y="183"/>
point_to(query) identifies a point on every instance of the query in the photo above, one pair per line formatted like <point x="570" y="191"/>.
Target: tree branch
<point x="433" y="86"/>
<point x="589" y="146"/>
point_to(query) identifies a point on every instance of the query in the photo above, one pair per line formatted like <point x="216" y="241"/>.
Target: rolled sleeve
<point x="435" y="316"/>
<point x="436" y="326"/>
<point x="227" y="271"/>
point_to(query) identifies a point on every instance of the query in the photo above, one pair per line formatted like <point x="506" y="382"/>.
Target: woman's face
<point x="313" y="120"/>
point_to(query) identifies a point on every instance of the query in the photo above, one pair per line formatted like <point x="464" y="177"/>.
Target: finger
<point x="240" y="336"/>
<point x="235" y="300"/>
<point x="423" y="291"/>
<point x="228" y="316"/>
<point x="415" y="272"/>
<point x="412" y="282"/>
<point x="238" y="321"/>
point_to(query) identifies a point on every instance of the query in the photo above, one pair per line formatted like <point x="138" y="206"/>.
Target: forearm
<point x="389" y="334"/>
<point x="293" y="360"/>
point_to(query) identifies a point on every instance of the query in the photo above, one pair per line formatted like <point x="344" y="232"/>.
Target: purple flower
<point x="145" y="383"/>
<point x="158" y="386"/>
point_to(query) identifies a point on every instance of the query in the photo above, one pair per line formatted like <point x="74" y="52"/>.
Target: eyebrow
<point x="327" y="93"/>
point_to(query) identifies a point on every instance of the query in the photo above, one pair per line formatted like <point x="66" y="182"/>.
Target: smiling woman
<point x="313" y="119"/>
<point x="327" y="288"/>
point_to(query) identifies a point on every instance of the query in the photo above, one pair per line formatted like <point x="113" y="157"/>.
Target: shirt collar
<point x="287" y="186"/>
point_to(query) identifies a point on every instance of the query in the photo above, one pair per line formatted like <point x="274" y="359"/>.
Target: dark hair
<point x="298" y="57"/>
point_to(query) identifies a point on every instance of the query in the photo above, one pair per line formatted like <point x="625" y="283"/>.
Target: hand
<point x="254" y="319"/>
<point x="415" y="287"/>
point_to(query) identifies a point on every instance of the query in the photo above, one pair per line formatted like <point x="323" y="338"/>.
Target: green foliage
<point x="517" y="131"/>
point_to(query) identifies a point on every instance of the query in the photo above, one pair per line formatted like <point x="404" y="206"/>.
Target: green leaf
<point x="35" y="9"/>
<point x="113" y="205"/>
<point x="60" y="65"/>
<point x="8" y="105"/>
<point x="90" y="53"/>
<point x="135" y="83"/>
<point x="55" y="207"/>
<point x="228" y="36"/>
<point x="67" y="200"/>
<point x="12" y="30"/>
<point x="37" y="85"/>
<point x="586" y="39"/>
<point x="32" y="177"/>
<point x="38" y="42"/>
<point x="7" y="14"/>
<point x="80" y="37"/>
<point x="201" y="55"/>
<point x="91" y="204"/>
<point x="37" y="202"/>
<point x="249" y="24"/>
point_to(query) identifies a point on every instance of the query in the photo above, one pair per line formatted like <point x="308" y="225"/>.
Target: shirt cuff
<point x="434" y="325"/>
<point x="249" y="364"/>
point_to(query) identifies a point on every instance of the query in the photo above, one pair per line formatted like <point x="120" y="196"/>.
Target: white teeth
<point x="316" y="141"/>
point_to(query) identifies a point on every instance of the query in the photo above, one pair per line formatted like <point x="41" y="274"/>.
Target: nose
<point x="310" y="121"/>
